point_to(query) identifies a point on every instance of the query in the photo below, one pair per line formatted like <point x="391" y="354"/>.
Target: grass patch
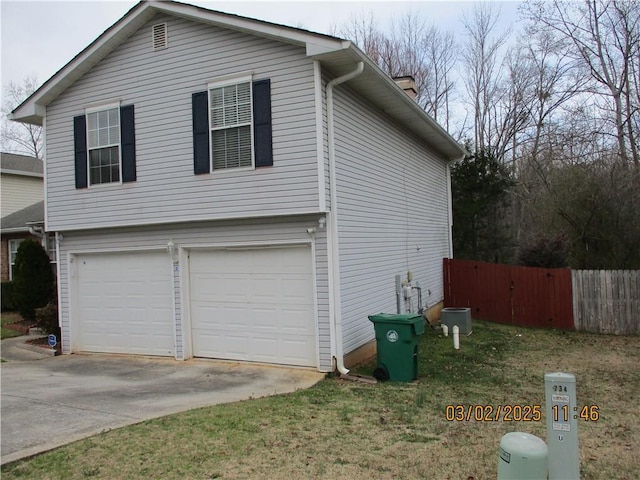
<point x="341" y="429"/>
<point x="9" y="319"/>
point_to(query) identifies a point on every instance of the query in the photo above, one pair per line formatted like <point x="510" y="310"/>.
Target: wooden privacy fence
<point x="586" y="300"/>
<point x="525" y="296"/>
<point x="606" y="301"/>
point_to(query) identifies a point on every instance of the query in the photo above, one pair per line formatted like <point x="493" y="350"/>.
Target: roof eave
<point x="244" y="24"/>
<point x="21" y="173"/>
<point x="331" y="51"/>
<point x="24" y="229"/>
<point x="33" y="109"/>
<point x="383" y="92"/>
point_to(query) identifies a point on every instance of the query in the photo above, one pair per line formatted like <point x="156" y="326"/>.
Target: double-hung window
<point x="49" y="244"/>
<point x="103" y="145"/>
<point x="232" y="125"/>
<point x="13" y="251"/>
<point x="230" y="119"/>
<point x="52" y="251"/>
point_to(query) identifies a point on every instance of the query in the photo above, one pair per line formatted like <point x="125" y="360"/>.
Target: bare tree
<point x="482" y="69"/>
<point x="363" y="30"/>
<point x="20" y="137"/>
<point x="440" y="56"/>
<point x="428" y="54"/>
<point x="605" y="36"/>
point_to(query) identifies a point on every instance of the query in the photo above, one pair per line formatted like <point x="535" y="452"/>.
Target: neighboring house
<point x="25" y="223"/>
<point x="21" y="182"/>
<point x="22" y="190"/>
<point x="221" y="189"/>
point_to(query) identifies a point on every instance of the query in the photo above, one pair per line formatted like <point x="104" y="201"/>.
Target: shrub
<point x="545" y="252"/>
<point x="47" y="319"/>
<point x="7" y="297"/>
<point x="33" y="282"/>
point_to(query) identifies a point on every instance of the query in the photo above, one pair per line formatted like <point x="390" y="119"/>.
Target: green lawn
<point x="346" y="430"/>
<point x="8" y="319"/>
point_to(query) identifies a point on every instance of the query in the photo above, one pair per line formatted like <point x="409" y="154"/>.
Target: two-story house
<point x="229" y="188"/>
<point x="22" y="208"/>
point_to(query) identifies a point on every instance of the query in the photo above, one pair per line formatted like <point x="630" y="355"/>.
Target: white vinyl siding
<point x="18" y="192"/>
<point x="240" y="232"/>
<point x="159" y="36"/>
<point x="161" y="85"/>
<point x="392" y="198"/>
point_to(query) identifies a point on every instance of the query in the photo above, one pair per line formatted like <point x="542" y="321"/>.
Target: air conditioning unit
<point x="461" y="317"/>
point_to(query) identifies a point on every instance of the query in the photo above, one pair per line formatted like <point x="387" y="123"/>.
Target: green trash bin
<point x="397" y="344"/>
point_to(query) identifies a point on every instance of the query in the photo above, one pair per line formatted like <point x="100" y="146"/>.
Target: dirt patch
<point x="13" y="325"/>
<point x="21" y="327"/>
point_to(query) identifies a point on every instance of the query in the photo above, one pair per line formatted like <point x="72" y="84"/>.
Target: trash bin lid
<point x="404" y="318"/>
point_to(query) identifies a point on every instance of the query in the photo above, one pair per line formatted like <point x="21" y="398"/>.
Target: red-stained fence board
<point x="525" y="296"/>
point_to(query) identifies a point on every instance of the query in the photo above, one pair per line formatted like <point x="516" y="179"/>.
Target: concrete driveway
<point x="56" y="400"/>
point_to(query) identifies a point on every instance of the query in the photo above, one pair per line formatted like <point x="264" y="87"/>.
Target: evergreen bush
<point x="7" y="297"/>
<point x="33" y="282"/>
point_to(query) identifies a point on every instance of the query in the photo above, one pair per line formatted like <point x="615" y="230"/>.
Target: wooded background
<point x="550" y="113"/>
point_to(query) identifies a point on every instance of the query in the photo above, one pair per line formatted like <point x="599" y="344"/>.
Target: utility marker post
<point x="562" y="426"/>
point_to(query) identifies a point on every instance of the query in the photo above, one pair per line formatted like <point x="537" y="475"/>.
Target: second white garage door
<point x="253" y="305"/>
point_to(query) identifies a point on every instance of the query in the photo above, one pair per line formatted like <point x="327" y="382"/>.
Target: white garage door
<point x="124" y="303"/>
<point x="253" y="305"/>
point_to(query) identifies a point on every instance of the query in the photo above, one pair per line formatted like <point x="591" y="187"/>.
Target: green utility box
<point x="397" y="344"/>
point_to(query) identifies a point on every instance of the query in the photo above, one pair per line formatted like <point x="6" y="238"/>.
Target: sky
<point x="40" y="37"/>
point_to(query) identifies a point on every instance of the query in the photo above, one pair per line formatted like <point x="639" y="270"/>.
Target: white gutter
<point x="333" y="249"/>
<point x="21" y="173"/>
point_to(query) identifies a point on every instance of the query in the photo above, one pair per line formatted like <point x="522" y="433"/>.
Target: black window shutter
<point x="262" y="140"/>
<point x="128" y="143"/>
<point x="200" y="113"/>
<point x="80" y="150"/>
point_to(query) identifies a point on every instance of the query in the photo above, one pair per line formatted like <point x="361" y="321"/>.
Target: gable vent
<point x="159" y="36"/>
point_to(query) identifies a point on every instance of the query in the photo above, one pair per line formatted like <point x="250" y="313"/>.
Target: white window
<point x="103" y="144"/>
<point x="48" y="243"/>
<point x="13" y="250"/>
<point x="230" y="120"/>
<point x="51" y="249"/>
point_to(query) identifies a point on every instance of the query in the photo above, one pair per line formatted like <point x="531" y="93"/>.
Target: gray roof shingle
<point x="20" y="163"/>
<point x="31" y="214"/>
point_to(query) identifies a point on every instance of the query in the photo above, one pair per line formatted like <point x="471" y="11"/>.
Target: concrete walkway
<point x="51" y="401"/>
<point x="15" y="349"/>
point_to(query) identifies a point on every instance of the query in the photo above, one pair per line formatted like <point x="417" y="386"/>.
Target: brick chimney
<point x="408" y="84"/>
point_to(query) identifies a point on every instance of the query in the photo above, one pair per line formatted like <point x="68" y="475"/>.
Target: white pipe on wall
<point x="333" y="248"/>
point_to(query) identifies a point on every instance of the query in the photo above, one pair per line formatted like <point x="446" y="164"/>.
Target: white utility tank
<point x="522" y="457"/>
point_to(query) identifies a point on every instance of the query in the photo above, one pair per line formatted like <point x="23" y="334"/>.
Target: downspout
<point x="36" y="231"/>
<point x="58" y="261"/>
<point x="333" y="249"/>
<point x="450" y="203"/>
